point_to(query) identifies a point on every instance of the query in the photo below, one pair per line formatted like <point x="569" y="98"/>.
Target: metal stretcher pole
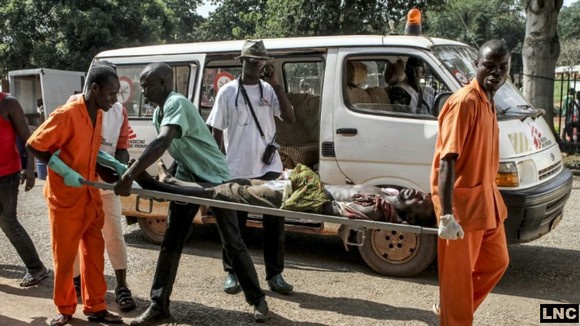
<point x="269" y="211"/>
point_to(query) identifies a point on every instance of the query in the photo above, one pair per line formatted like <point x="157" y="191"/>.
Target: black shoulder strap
<point x="245" y="95"/>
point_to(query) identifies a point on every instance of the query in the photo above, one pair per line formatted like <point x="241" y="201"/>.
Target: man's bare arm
<point x="218" y="135"/>
<point x="287" y="111"/>
<point x="446" y="182"/>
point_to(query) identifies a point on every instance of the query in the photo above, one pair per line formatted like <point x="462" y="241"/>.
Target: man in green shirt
<point x="183" y="133"/>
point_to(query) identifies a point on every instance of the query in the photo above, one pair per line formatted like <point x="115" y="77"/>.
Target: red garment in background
<point x="10" y="161"/>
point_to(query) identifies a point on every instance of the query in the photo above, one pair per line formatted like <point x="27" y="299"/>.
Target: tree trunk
<point x="540" y="53"/>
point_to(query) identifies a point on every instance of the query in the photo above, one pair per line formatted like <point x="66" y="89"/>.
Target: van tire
<point x="410" y="253"/>
<point x="153" y="229"/>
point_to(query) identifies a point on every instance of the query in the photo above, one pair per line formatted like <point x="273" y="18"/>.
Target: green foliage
<point x="569" y="22"/>
<point x="233" y="20"/>
<point x="67" y="34"/>
<point x="569" y="32"/>
<point x="185" y="19"/>
<point x="476" y="21"/>
<point x="286" y="18"/>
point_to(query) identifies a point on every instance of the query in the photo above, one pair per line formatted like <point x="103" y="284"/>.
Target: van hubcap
<point x="395" y="247"/>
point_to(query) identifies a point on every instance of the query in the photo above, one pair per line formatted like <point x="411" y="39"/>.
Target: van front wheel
<point x="399" y="254"/>
<point x="153" y="229"/>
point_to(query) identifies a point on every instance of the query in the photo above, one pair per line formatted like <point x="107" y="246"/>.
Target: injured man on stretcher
<point x="303" y="191"/>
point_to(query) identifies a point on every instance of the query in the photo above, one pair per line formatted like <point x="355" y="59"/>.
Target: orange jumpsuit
<point x="469" y="268"/>
<point x="76" y="216"/>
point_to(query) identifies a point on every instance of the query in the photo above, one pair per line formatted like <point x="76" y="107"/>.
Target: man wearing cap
<point x="243" y="126"/>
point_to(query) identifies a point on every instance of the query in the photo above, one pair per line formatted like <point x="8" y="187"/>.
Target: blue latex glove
<point x="106" y="159"/>
<point x="71" y="177"/>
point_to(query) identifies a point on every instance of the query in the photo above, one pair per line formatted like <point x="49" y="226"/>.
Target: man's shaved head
<point x="157" y="82"/>
<point x="499" y="47"/>
<point x="159" y="70"/>
<point x="493" y="66"/>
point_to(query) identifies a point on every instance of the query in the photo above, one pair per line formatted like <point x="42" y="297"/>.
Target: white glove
<point x="449" y="228"/>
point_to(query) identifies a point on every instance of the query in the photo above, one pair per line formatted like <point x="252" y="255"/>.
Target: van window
<point x="393" y="84"/>
<point x="214" y="78"/>
<point x="130" y="94"/>
<point x="303" y="77"/>
<point x="299" y="141"/>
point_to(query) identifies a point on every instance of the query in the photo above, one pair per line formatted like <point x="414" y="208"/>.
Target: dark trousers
<point x="179" y="221"/>
<point x="274" y="241"/>
<point x="12" y="228"/>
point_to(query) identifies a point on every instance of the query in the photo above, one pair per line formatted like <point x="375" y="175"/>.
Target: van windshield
<point x="459" y="60"/>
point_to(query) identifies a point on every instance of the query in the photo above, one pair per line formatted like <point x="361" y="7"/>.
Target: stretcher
<point x="354" y="223"/>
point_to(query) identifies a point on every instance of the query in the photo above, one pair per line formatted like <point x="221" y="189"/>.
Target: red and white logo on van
<point x="132" y="134"/>
<point x="135" y="142"/>
<point x="536" y="137"/>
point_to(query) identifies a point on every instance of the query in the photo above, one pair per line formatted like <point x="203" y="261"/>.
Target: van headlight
<point x="507" y="176"/>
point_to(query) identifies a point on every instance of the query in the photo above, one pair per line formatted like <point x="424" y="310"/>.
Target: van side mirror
<point x="440" y="100"/>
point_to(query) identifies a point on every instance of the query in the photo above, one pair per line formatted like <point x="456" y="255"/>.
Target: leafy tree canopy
<point x="569" y="32"/>
<point x="67" y="34"/>
<point x="476" y="21"/>
<point x="281" y="18"/>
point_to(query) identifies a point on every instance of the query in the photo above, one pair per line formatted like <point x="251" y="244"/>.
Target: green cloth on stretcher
<point x="307" y="191"/>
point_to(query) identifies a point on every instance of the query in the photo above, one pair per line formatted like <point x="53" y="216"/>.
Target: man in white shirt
<point x="243" y="125"/>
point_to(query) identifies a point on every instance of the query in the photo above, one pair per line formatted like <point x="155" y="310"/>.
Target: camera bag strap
<point x="247" y="100"/>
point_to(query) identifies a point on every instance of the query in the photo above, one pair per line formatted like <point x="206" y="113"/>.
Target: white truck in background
<point x="48" y="87"/>
<point x="40" y="91"/>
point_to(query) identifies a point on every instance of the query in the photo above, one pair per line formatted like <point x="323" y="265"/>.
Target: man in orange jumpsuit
<point x="472" y="244"/>
<point x="69" y="141"/>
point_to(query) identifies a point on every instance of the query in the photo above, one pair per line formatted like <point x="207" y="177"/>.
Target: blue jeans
<point x="12" y="228"/>
<point x="180" y="218"/>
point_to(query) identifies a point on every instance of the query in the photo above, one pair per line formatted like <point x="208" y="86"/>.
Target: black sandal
<point x="125" y="299"/>
<point x="104" y="316"/>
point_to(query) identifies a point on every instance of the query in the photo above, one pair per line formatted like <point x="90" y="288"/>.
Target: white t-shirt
<point x="111" y="128"/>
<point x="243" y="143"/>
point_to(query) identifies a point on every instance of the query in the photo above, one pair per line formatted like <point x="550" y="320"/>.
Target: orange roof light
<point x="413" y="26"/>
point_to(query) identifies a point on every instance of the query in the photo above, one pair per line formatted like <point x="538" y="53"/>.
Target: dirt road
<point x="332" y="287"/>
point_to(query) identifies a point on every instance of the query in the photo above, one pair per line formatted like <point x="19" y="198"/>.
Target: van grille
<point x="550" y="170"/>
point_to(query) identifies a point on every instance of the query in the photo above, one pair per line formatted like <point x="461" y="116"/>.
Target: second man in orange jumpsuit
<point x="472" y="245"/>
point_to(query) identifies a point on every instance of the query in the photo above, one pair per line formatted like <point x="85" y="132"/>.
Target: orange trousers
<point x="72" y="233"/>
<point x="469" y="269"/>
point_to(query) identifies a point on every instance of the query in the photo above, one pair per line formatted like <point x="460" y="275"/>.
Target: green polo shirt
<point x="194" y="148"/>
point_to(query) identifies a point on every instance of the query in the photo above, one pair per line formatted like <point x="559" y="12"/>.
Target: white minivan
<point x="352" y="128"/>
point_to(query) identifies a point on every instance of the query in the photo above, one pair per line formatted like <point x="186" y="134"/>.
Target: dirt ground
<point x="332" y="287"/>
